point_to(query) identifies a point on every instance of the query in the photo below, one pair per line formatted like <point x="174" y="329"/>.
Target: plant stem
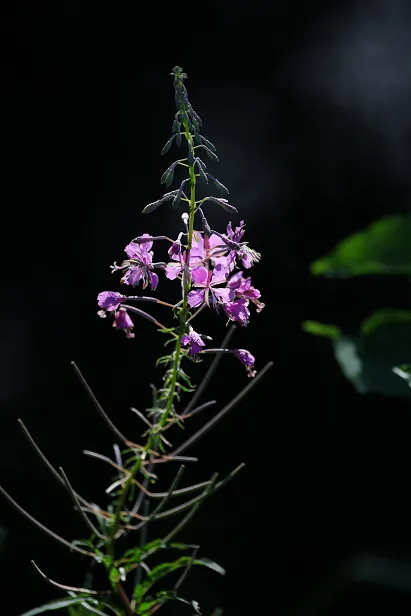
<point x="168" y="402"/>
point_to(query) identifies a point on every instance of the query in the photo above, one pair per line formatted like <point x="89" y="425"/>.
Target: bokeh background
<point x="308" y="105"/>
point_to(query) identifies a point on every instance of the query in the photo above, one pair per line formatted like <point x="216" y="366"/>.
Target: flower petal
<point x="195" y="298"/>
<point x="110" y="300"/>
<point x="172" y="270"/>
<point x="220" y="273"/>
<point x="199" y="276"/>
<point x="197" y="248"/>
<point x="153" y="279"/>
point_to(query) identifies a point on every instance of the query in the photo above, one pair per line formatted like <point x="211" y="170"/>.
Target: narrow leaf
<point x="55" y="605"/>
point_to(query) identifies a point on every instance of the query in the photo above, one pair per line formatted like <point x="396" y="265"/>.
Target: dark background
<point x="309" y="108"/>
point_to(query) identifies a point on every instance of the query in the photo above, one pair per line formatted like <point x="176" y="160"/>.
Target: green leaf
<point x="163" y="569"/>
<point x="367" y="360"/>
<point x="57" y="605"/>
<point x="206" y="562"/>
<point x="382" y="248"/>
<point x="382" y="317"/>
<point x="404" y="372"/>
<point x="320" y="329"/>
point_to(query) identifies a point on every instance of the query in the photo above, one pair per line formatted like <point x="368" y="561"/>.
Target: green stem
<point x="177" y="356"/>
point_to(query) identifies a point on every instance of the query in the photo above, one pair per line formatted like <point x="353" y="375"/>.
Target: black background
<point x="308" y="106"/>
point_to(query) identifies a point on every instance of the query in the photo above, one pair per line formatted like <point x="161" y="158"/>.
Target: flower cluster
<point x="208" y="264"/>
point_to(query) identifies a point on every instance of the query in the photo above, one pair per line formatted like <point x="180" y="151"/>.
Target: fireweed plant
<point x="208" y="266"/>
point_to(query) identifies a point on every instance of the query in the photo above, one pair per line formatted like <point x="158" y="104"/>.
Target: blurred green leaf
<point x="367" y="359"/>
<point x="404" y="372"/>
<point x="383" y="317"/>
<point x="382" y="248"/>
<point x="320" y="329"/>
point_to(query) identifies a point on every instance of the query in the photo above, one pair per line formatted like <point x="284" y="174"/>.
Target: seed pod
<point x="168" y="174"/>
<point x="224" y="204"/>
<point x="210" y="154"/>
<point x="220" y="187"/>
<point x="203" y="176"/>
<point x="174" y="127"/>
<point x="208" y="144"/>
<point x="167" y="145"/>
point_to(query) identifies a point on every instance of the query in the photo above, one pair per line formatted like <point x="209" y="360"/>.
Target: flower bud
<point x="201" y="173"/>
<point x="211" y="154"/>
<point x="167" y="145"/>
<point x="224" y="204"/>
<point x="168" y="174"/>
<point x="220" y="187"/>
<point x="208" y="144"/>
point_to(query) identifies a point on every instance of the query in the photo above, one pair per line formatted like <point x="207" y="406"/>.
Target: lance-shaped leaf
<point x="62" y="586"/>
<point x="208" y="144"/>
<point x="223" y="203"/>
<point x="220" y="187"/>
<point x="164" y="569"/>
<point x="167" y="145"/>
<point x="59" y="604"/>
<point x="168" y="174"/>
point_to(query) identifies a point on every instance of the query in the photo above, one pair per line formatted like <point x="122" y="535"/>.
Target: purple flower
<point x="247" y="360"/>
<point x="237" y="311"/>
<point x="175" y="250"/>
<point x="110" y="300"/>
<point x="197" y="250"/>
<point x="194" y="341"/>
<point x="207" y="280"/>
<point x="122" y="320"/>
<point x="139" y="266"/>
<point x="246" y="255"/>
<point x="243" y="288"/>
